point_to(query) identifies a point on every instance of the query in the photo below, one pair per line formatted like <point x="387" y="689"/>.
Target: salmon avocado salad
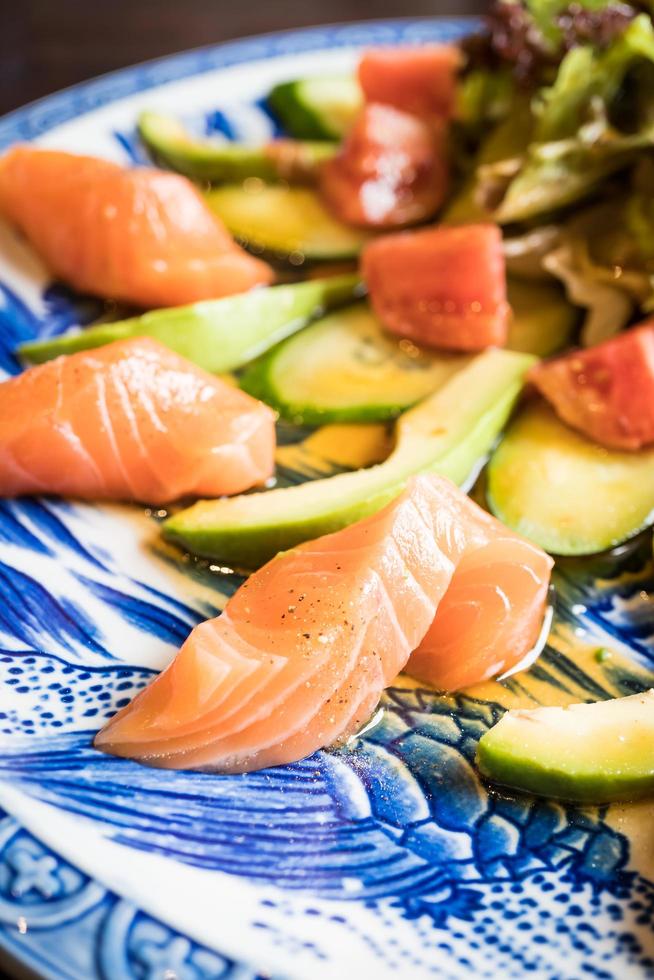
<point x="451" y="247"/>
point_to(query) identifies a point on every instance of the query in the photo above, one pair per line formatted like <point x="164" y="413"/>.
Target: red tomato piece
<point x="420" y="80"/>
<point x="392" y="170"/>
<point x="605" y="392"/>
<point x="441" y="287"/>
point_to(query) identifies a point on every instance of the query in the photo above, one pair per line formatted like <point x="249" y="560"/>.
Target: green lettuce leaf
<point x="484" y="97"/>
<point x="608" y="308"/>
<point x="596" y="119"/>
<point x="499" y="157"/>
<point x="603" y="265"/>
<point x="587" y="78"/>
<point x="556" y="175"/>
<point x="545" y="14"/>
<point x="639" y="213"/>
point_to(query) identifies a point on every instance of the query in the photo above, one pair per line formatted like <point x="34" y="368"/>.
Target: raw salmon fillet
<point x="140" y="236"/>
<point x="491" y="615"/>
<point x="303" y="650"/>
<point x="130" y="421"/>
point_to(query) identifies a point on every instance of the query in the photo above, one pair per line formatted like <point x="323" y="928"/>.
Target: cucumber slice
<point x="448" y="433"/>
<point x="213" y="161"/>
<point x="317" y="108"/>
<point x="288" y="221"/>
<point x="346" y="368"/>
<point x="585" y="753"/>
<point x="565" y="493"/>
<point x="543" y="321"/>
<point x="219" y="335"/>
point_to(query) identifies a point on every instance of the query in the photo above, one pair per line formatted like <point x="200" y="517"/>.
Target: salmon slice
<point x="303" y="650"/>
<point x="491" y="615"/>
<point x="130" y="421"/>
<point x="139" y="236"/>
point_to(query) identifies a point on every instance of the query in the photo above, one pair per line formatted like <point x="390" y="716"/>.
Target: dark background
<point x="48" y="44"/>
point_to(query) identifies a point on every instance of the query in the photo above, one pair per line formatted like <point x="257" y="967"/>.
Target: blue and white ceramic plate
<point x="387" y="859"/>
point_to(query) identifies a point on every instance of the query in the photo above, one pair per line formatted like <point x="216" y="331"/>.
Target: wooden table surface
<point x="48" y="44"/>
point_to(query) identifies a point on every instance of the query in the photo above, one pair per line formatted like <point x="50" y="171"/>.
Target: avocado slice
<point x="543" y="321"/>
<point x="448" y="433"/>
<point x="222" y="162"/>
<point x="220" y="334"/>
<point x="286" y="222"/>
<point x="585" y="753"/>
<point x="317" y="108"/>
<point x="564" y="492"/>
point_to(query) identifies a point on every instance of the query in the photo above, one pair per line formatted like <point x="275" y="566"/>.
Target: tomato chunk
<point x="391" y="172"/>
<point x="605" y="392"/>
<point x="441" y="287"/>
<point x="420" y="80"/>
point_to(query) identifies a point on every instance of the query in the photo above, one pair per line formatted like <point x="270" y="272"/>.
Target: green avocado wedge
<point x="542" y="321"/>
<point x="218" y="335"/>
<point x="583" y="753"/>
<point x="346" y="368"/>
<point x="448" y="433"/>
<point x="564" y="492"/>
<point x="212" y="161"/>
<point x="288" y="222"/>
<point x="317" y="108"/>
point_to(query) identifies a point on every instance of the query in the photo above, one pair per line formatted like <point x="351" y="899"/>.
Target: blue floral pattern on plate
<point x="392" y="841"/>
